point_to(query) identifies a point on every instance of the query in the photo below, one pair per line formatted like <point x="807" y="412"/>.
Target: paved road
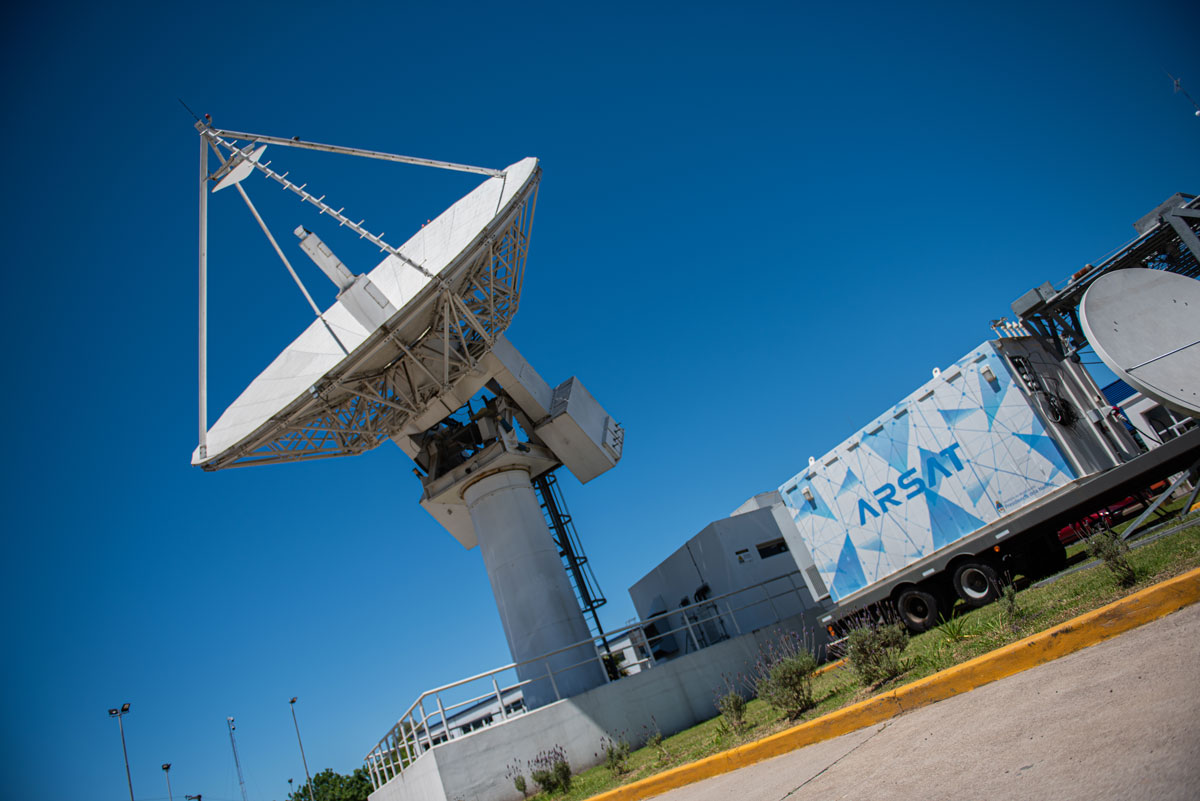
<point x="1119" y="720"/>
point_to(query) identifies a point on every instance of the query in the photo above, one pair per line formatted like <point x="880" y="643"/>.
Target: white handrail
<point x="385" y="760"/>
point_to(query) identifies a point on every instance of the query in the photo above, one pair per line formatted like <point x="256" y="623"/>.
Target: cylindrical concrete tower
<point x="537" y="606"/>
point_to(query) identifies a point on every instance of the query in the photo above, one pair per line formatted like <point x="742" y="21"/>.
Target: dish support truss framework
<point x="394" y="376"/>
<point x="1168" y="239"/>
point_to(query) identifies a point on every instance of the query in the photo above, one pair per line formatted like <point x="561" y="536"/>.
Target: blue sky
<point x="757" y="228"/>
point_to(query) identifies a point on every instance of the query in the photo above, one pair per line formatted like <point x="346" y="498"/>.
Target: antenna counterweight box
<point x="580" y="432"/>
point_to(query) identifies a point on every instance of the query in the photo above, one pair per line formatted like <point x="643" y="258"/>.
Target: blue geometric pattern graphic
<point x="952" y="416"/>
<point x="952" y="457"/>
<point x="849" y="571"/>
<point x="891" y="443"/>
<point x="1046" y="447"/>
<point x="848" y="483"/>
<point x="948" y="520"/>
<point x="992" y="397"/>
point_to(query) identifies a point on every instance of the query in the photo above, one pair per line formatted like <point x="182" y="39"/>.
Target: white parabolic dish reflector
<point x="454" y="290"/>
<point x="1145" y="325"/>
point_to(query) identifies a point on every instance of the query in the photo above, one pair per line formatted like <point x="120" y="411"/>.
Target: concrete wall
<point x="674" y="696"/>
<point x="421" y="781"/>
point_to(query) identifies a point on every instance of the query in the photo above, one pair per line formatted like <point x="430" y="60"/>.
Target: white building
<point x="734" y="577"/>
<point x="1151" y="423"/>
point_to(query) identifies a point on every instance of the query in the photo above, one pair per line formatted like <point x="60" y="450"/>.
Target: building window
<point x="1167" y="424"/>
<point x="772" y="548"/>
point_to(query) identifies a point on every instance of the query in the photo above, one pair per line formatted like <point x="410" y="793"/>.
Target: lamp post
<point x="237" y="762"/>
<point x="167" y="773"/>
<point x="119" y="714"/>
<point x="311" y="796"/>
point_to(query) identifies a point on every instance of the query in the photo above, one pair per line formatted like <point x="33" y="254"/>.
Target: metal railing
<point x="434" y="718"/>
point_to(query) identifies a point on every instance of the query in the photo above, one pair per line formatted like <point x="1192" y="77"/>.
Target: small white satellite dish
<point x="243" y="165"/>
<point x="1145" y="326"/>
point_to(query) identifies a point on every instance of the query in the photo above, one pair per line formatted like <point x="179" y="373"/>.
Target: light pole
<point x="237" y="762"/>
<point x="302" y="759"/>
<point x="167" y="773"/>
<point x="119" y="714"/>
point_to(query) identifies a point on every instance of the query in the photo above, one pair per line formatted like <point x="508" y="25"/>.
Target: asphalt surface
<point x="1118" y="720"/>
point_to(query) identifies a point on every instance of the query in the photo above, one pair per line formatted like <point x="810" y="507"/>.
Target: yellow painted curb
<point x="828" y="666"/>
<point x="1074" y="635"/>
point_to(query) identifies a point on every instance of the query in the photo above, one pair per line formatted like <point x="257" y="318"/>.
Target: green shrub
<point x="518" y="779"/>
<point x="1105" y="544"/>
<point x="954" y="629"/>
<point x="613" y="665"/>
<point x="787" y="685"/>
<point x="654" y="739"/>
<point x="875" y="651"/>
<point x="562" y="772"/>
<point x="1011" y="611"/>
<point x="616" y="754"/>
<point x="551" y="770"/>
<point x="732" y="707"/>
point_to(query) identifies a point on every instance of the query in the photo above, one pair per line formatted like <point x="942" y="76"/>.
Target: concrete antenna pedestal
<point x="537" y="606"/>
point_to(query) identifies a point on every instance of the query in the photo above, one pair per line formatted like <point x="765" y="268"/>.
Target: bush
<point x="874" y="651"/>
<point x="1105" y="544"/>
<point x="518" y="779"/>
<point x="1011" y="610"/>
<point x="562" y="772"/>
<point x="551" y="770"/>
<point x="732" y="707"/>
<point x="616" y="754"/>
<point x="654" y="740"/>
<point x="788" y="684"/>
<point x="613" y="665"/>
<point x="783" y="673"/>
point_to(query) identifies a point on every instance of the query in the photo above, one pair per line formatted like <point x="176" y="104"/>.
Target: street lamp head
<point x="293" y="699"/>
<point x="112" y="713"/>
<point x="124" y="708"/>
<point x="166" y="766"/>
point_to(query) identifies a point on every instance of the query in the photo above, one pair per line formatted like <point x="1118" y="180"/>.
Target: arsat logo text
<point x="910" y="481"/>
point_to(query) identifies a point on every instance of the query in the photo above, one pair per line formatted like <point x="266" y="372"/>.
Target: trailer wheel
<point x="918" y="609"/>
<point x="976" y="583"/>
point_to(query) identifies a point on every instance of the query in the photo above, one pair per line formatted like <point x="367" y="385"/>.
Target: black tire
<point x="918" y="609"/>
<point x="977" y="583"/>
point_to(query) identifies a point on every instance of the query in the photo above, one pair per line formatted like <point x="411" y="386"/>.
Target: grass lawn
<point x="969" y="633"/>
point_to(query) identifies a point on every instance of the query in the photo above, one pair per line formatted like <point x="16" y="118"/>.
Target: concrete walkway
<point x="1118" y="720"/>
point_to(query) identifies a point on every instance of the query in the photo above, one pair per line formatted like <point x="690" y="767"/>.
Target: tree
<point x="330" y="786"/>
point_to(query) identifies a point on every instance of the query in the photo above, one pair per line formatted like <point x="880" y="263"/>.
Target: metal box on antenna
<point x="580" y="432"/>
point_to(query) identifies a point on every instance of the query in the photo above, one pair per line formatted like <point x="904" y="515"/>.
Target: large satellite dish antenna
<point x="1145" y="326"/>
<point x="399" y="355"/>
<point x="396" y="338"/>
